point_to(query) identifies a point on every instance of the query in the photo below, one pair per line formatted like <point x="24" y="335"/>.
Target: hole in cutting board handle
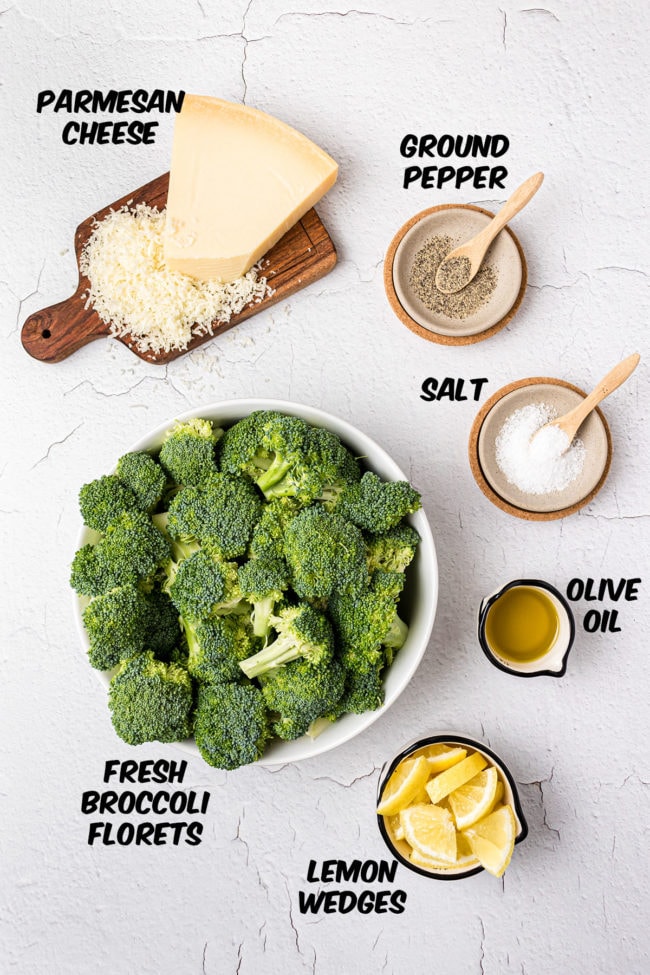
<point x="46" y="334"/>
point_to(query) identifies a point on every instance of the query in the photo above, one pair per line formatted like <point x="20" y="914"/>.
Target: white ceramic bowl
<point x="418" y="601"/>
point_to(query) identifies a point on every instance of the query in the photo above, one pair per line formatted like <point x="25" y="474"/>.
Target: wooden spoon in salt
<point x="571" y="421"/>
<point x="462" y="264"/>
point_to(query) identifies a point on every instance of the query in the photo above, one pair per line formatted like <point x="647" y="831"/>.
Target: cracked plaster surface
<point x="356" y="78"/>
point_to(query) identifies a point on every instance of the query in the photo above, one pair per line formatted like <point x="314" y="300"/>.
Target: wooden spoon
<point x="475" y="249"/>
<point x="572" y="421"/>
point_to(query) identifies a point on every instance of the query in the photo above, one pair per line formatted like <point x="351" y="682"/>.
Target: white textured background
<point x="566" y="83"/>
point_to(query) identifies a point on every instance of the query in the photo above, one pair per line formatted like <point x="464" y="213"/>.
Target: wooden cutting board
<point x="305" y="254"/>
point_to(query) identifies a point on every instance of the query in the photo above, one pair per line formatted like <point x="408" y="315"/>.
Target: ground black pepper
<point x="460" y="305"/>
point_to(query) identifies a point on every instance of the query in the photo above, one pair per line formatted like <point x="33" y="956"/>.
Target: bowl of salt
<point x="528" y="471"/>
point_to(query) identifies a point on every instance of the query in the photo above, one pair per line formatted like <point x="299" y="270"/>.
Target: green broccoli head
<point x="187" y="454"/>
<point x="267" y="541"/>
<point x="364" y="621"/>
<point x="89" y="575"/>
<point x="302" y="632"/>
<point x="394" y="550"/>
<point x="140" y="473"/>
<point x="273" y="450"/>
<point x="163" y="625"/>
<point x="116" y="624"/>
<point x="104" y="500"/>
<point x="298" y="693"/>
<point x="217" y="646"/>
<point x="376" y="505"/>
<point x="132" y="549"/>
<point x="150" y="700"/>
<point x="364" y="691"/>
<point x="222" y="512"/>
<point x="324" y="553"/>
<point x="336" y="467"/>
<point x="263" y="582"/>
<point x="230" y="724"/>
<point x="203" y="585"/>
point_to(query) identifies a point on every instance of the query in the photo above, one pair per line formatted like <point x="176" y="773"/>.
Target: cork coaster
<point x="489" y="491"/>
<point x="454" y="220"/>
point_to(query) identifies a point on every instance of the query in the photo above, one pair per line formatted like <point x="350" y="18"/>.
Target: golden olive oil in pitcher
<point x="522" y="624"/>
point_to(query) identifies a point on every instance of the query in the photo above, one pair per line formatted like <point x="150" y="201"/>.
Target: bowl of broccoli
<point x="256" y="581"/>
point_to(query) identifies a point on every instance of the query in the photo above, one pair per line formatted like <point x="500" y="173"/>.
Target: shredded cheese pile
<point x="134" y="292"/>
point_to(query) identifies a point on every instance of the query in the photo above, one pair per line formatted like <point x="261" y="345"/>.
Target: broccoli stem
<point x="262" y="610"/>
<point x="281" y="651"/>
<point x="275" y="473"/>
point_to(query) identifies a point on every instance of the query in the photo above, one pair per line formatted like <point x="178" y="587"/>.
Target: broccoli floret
<point x="132" y="549"/>
<point x="89" y="575"/>
<point x="204" y="585"/>
<point x="222" y="512"/>
<point x="187" y="453"/>
<point x="163" y="626"/>
<point x="302" y="632"/>
<point x="364" y="691"/>
<point x="230" y="724"/>
<point x="298" y="693"/>
<point x="394" y="550"/>
<point x="272" y="449"/>
<point x="103" y="500"/>
<point x="267" y="541"/>
<point x="376" y="505"/>
<point x="216" y="648"/>
<point x="364" y="621"/>
<point x="150" y="700"/>
<point x="263" y="582"/>
<point x="140" y="473"/>
<point x="116" y="624"/>
<point x="336" y="467"/>
<point x="324" y="553"/>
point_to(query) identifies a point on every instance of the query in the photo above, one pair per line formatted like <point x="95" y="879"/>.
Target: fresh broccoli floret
<point x="217" y="646"/>
<point x="364" y="691"/>
<point x="302" y="632"/>
<point x="324" y="553"/>
<point x="144" y="477"/>
<point x="204" y="585"/>
<point x="263" y="582"/>
<point x="187" y="453"/>
<point x="89" y="575"/>
<point x="230" y="724"/>
<point x="300" y="692"/>
<point x="376" y="505"/>
<point x="222" y="513"/>
<point x="150" y="700"/>
<point x="364" y="621"/>
<point x="272" y="449"/>
<point x="394" y="550"/>
<point x="336" y="467"/>
<point x="116" y="623"/>
<point x="132" y="549"/>
<point x="267" y="541"/>
<point x="103" y="500"/>
<point x="163" y="626"/>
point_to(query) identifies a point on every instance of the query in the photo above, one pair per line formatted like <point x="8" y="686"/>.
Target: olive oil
<point x="522" y="624"/>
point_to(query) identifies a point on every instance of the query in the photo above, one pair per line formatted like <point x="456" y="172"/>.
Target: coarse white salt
<point x="537" y="463"/>
<point x="134" y="292"/>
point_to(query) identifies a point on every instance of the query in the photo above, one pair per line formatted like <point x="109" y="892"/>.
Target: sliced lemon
<point x="499" y="793"/>
<point x="475" y="799"/>
<point x="394" y="827"/>
<point x="493" y="839"/>
<point x="464" y="860"/>
<point x="456" y="776"/>
<point x="404" y="784"/>
<point x="430" y="830"/>
<point x="441" y="757"/>
<point x="421" y="797"/>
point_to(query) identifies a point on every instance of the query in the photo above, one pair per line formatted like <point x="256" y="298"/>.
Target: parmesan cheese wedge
<point x="239" y="180"/>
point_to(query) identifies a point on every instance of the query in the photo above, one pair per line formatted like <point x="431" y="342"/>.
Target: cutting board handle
<point x="54" y="333"/>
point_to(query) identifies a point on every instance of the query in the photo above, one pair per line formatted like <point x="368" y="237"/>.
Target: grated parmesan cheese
<point x="134" y="292"/>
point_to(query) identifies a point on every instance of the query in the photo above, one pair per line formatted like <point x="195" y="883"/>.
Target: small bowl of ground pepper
<point x="475" y="312"/>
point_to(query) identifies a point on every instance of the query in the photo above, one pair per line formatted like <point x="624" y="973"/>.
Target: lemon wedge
<point x="441" y="757"/>
<point x="404" y="785"/>
<point x="430" y="831"/>
<point x="492" y="840"/>
<point x="454" y="777"/>
<point x="475" y="799"/>
<point x="464" y="860"/>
